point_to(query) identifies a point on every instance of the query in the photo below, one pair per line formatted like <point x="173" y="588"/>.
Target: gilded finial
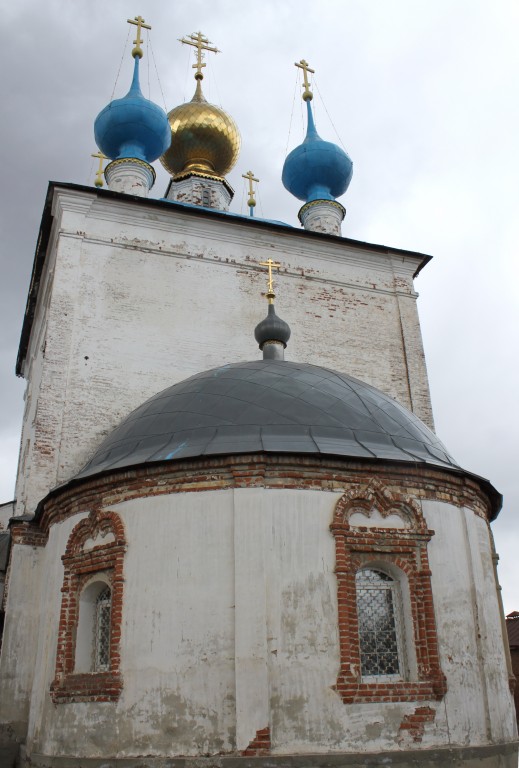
<point x="270" y="295"/>
<point x="201" y="43"/>
<point x="99" y="173"/>
<point x="139" y="23"/>
<point x="251" y="202"/>
<point x="307" y="93"/>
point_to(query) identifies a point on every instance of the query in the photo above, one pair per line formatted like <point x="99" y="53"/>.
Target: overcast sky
<point x="423" y="96"/>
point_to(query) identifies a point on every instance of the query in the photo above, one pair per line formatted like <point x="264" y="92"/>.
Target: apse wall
<point x="230" y="626"/>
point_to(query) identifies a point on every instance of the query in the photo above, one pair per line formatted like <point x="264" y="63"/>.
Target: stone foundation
<point x="501" y="756"/>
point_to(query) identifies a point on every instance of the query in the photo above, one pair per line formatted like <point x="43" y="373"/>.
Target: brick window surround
<point x="374" y="528"/>
<point x="95" y="549"/>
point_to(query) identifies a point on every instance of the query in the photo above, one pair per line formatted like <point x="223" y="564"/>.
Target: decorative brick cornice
<point x="417" y="482"/>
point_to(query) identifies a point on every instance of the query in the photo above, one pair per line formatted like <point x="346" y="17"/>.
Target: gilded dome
<point x="204" y="139"/>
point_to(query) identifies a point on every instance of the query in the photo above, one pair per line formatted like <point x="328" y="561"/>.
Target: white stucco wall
<point x="134" y="298"/>
<point x="21" y="633"/>
<point x="469" y="625"/>
<point x="230" y="626"/>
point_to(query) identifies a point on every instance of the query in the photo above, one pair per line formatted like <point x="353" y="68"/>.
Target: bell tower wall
<point x="129" y="296"/>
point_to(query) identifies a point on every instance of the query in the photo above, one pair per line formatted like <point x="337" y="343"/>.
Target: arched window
<point x="387" y="629"/>
<point x="379" y="612"/>
<point x="88" y="652"/>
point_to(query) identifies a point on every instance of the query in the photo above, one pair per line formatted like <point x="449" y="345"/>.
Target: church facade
<point x="219" y="555"/>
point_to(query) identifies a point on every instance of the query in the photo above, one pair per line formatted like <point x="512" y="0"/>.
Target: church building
<point x="237" y="540"/>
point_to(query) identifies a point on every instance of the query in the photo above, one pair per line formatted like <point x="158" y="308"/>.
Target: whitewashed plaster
<point x="201" y="190"/>
<point x="230" y="626"/>
<point x="21" y="633"/>
<point x="130" y="176"/>
<point x="471" y="643"/>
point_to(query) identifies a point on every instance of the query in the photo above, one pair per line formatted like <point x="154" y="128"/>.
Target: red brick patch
<point x="260" y="744"/>
<point x="414" y="724"/>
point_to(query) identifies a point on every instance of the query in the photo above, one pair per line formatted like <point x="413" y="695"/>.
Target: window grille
<point x="103" y="615"/>
<point x="380" y="625"/>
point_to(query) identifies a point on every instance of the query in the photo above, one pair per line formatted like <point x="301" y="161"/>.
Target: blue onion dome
<point x="272" y="328"/>
<point x="316" y="169"/>
<point x="132" y="127"/>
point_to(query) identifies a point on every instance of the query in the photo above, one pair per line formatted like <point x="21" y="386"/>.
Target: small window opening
<point x="94" y="628"/>
<point x="206" y="198"/>
<point x="102" y="630"/>
<point x="380" y="625"/>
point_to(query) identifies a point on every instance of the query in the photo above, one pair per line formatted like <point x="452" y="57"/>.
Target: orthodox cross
<point x="139" y="23"/>
<point x="201" y="43"/>
<point x="99" y="173"/>
<point x="270" y="292"/>
<point x="307" y="95"/>
<point x="251" y="202"/>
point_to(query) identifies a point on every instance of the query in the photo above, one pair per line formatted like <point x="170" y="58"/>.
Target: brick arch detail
<point x="81" y="567"/>
<point x="99" y="522"/>
<point x="405" y="549"/>
<point x="376" y="495"/>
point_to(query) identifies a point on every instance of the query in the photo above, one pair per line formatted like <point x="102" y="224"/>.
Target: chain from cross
<point x="99" y="173"/>
<point x="307" y="95"/>
<point x="138" y="21"/>
<point x="250" y="176"/>
<point x="201" y="43"/>
<point x="270" y="264"/>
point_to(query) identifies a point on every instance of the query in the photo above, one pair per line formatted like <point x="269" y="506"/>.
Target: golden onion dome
<point x="204" y="139"/>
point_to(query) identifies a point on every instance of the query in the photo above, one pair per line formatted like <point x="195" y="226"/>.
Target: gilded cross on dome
<point x="139" y="23"/>
<point x="270" y="264"/>
<point x="251" y="202"/>
<point x="99" y="173"/>
<point x="307" y="94"/>
<point x="201" y="43"/>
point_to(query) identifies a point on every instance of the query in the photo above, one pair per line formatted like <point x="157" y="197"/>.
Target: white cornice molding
<point x="235" y="262"/>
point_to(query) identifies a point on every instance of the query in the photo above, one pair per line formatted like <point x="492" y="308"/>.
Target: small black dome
<point x="272" y="328"/>
<point x="269" y="406"/>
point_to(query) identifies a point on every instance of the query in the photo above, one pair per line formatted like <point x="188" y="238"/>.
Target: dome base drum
<point x="130" y="176"/>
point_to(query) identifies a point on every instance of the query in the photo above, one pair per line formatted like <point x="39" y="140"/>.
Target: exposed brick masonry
<point x="260" y="744"/>
<point x="414" y="725"/>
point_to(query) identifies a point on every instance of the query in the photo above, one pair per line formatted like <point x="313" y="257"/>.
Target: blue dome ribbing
<point x="316" y="169"/>
<point x="132" y="127"/>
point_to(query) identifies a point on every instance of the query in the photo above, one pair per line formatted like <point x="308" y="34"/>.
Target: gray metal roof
<point x="268" y="406"/>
